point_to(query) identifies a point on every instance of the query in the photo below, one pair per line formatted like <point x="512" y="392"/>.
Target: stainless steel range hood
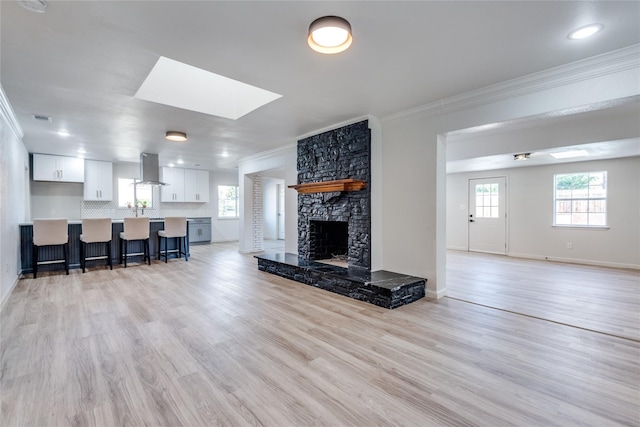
<point x="149" y="170"/>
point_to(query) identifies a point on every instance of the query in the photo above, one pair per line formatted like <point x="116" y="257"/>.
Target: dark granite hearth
<point x="382" y="288"/>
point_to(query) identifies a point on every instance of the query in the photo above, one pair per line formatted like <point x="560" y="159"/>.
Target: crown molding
<point x="8" y="115"/>
<point x="597" y="66"/>
<point x="335" y="126"/>
<point x="267" y="154"/>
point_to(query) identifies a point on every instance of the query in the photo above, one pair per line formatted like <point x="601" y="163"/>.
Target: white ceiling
<point x="82" y="62"/>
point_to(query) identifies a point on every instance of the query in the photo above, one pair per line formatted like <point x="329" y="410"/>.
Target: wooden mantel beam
<point x="330" y="186"/>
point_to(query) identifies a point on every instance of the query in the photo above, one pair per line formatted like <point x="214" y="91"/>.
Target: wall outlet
<point x="569" y="245"/>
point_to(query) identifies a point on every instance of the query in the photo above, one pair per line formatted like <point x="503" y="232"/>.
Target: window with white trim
<point x="228" y="206"/>
<point x="128" y="195"/>
<point x="580" y="199"/>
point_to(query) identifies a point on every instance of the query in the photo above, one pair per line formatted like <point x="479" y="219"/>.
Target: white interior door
<point x="487" y="215"/>
<point x="281" y="211"/>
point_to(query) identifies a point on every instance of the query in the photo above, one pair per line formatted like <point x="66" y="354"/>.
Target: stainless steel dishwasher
<point x="200" y="230"/>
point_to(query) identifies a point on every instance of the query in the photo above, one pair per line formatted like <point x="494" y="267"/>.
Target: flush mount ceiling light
<point x="330" y="34"/>
<point x="173" y="135"/>
<point x="586" y="31"/>
<point x="521" y="156"/>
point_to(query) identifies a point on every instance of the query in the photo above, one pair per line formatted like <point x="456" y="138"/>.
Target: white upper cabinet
<point x="196" y="185"/>
<point x="57" y="168"/>
<point x="98" y="180"/>
<point x="184" y="185"/>
<point x="174" y="190"/>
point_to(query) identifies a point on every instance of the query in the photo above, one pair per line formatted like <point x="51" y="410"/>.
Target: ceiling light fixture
<point x="586" y="31"/>
<point x="173" y="135"/>
<point x="330" y="34"/>
<point x="521" y="156"/>
<point x="63" y="133"/>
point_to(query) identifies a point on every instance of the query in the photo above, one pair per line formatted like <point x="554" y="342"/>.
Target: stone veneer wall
<point x="337" y="154"/>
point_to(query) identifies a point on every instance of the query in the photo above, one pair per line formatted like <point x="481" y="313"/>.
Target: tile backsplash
<point x="111" y="210"/>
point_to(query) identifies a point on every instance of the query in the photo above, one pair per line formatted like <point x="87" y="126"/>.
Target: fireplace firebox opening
<point x="328" y="240"/>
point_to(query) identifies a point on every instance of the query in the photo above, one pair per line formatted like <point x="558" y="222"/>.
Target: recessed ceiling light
<point x="173" y="135"/>
<point x="521" y="156"/>
<point x="569" y="154"/>
<point x="82" y="151"/>
<point x="180" y="161"/>
<point x="63" y="133"/>
<point x="586" y="31"/>
<point x="330" y="34"/>
<point x="225" y="154"/>
<point x="184" y="86"/>
<point x="171" y="165"/>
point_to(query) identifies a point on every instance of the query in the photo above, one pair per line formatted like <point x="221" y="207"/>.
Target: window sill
<point x="226" y="218"/>
<point x="583" y="227"/>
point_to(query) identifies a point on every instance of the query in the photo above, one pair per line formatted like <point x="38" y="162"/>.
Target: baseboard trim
<point x="577" y="261"/>
<point x="8" y="294"/>
<point x="436" y="295"/>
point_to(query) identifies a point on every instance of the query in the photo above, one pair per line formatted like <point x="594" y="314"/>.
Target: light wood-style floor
<point x="214" y="341"/>
<point x="601" y="299"/>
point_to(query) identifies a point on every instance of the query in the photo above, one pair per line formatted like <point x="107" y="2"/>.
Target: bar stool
<point x="175" y="227"/>
<point x="50" y="232"/>
<point x="95" y="230"/>
<point x="135" y="229"/>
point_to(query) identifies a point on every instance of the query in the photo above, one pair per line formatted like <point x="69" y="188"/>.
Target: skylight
<point x="183" y="86"/>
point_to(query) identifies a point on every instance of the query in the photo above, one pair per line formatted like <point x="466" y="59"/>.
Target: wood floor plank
<point x="215" y="342"/>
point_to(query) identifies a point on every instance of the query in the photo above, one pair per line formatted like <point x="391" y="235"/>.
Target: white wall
<point x="56" y="200"/>
<point x="270" y="207"/>
<point x="530" y="232"/>
<point x="14" y="200"/>
<point x="414" y="150"/>
<point x="222" y="229"/>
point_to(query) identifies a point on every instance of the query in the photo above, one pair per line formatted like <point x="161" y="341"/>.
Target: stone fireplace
<point x="328" y="239"/>
<point x="334" y="218"/>
<point x="343" y="153"/>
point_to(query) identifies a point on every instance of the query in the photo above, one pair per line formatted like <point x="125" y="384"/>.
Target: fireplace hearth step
<point x="382" y="288"/>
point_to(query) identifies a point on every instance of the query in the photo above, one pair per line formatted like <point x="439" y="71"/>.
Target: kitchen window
<point x="228" y="206"/>
<point x="127" y="194"/>
<point x="580" y="199"/>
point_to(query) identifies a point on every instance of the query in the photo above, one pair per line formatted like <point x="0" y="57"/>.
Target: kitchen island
<point x="75" y="229"/>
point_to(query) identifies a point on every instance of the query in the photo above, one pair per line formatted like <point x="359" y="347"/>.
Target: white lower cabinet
<point x="98" y="181"/>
